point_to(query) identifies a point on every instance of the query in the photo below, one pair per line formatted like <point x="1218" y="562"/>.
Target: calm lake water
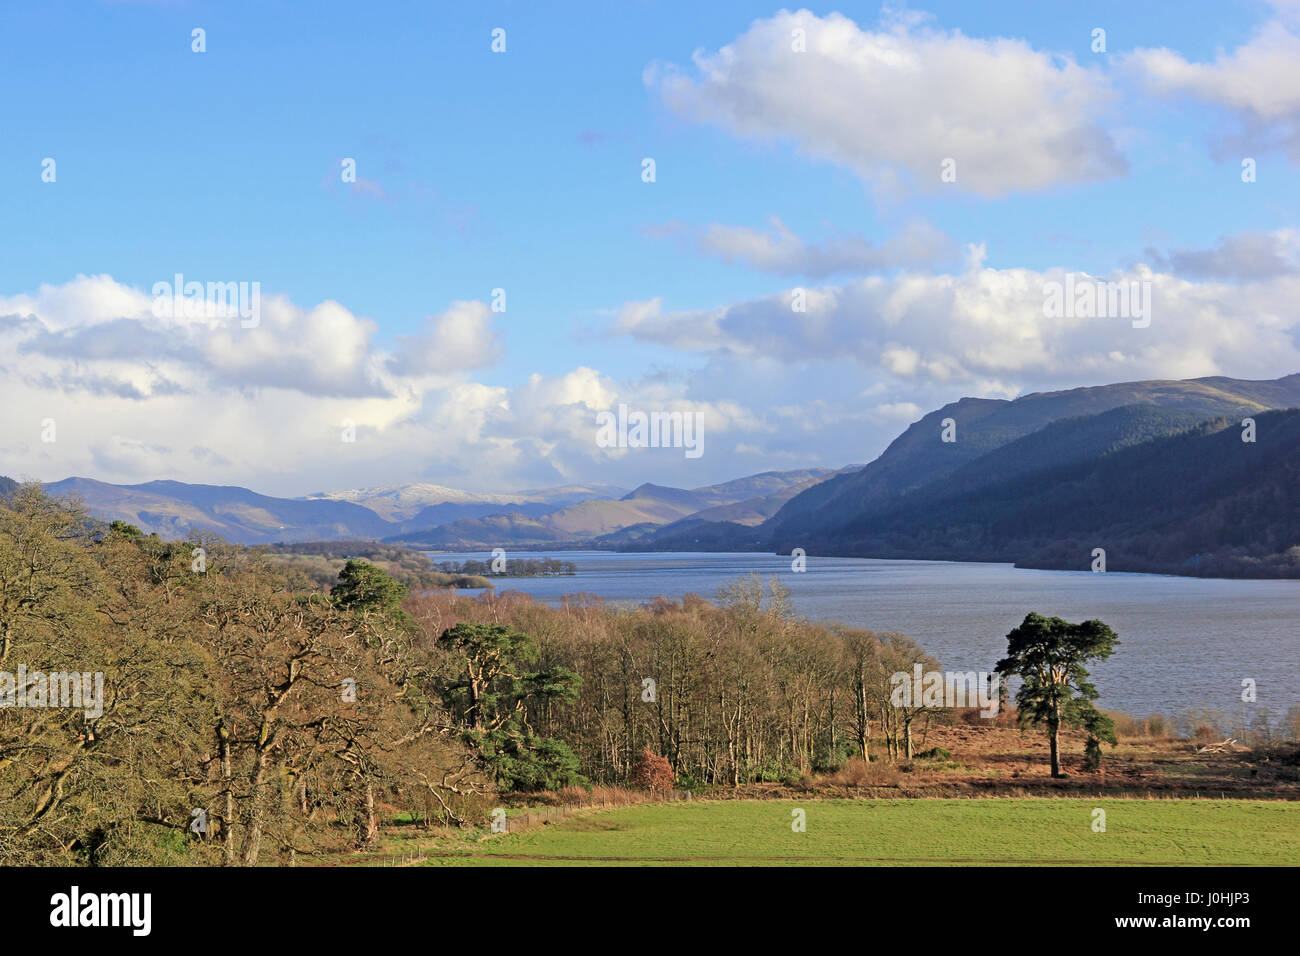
<point x="1185" y="643"/>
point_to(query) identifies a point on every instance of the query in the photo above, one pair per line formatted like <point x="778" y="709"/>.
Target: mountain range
<point x="175" y="509"/>
<point x="1156" y="474"/>
<point x="427" y="516"/>
<point x="602" y="522"/>
<point x="420" y="505"/>
<point x="1044" y="479"/>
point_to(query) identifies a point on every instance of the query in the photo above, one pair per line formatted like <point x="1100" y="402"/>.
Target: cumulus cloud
<point x="322" y="351"/>
<point x="900" y="411"/>
<point x="1258" y="82"/>
<point x="1246" y="256"/>
<point x="987" y="330"/>
<point x="136" y="396"/>
<point x="779" y="251"/>
<point x="462" y="337"/>
<point x="893" y="103"/>
<point x="94" y="323"/>
<point x="684" y="330"/>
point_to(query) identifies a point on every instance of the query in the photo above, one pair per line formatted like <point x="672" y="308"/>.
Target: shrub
<point x="854" y="773"/>
<point x="770" y="771"/>
<point x="1092" y="755"/>
<point x="571" y="795"/>
<point x="686" y="781"/>
<point x="857" y="772"/>
<point x="1125" y="725"/>
<point x="1204" y="733"/>
<point x="828" y="758"/>
<point x="652" y="771"/>
<point x="934" y="753"/>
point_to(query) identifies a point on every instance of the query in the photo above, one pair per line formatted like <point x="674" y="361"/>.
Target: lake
<point x="1185" y="643"/>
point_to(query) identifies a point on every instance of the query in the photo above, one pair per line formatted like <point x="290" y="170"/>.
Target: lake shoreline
<point x="1186" y="643"/>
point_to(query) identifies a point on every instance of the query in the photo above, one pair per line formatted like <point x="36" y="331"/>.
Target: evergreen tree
<point x="1048" y="655"/>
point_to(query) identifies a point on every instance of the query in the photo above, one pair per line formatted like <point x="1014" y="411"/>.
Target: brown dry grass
<point x="1002" y="761"/>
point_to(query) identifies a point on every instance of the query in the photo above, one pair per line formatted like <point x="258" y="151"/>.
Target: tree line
<point x="735" y="691"/>
<point x="249" y="716"/>
<point x="511" y="567"/>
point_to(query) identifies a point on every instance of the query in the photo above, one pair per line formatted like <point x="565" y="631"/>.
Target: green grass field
<point x="902" y="832"/>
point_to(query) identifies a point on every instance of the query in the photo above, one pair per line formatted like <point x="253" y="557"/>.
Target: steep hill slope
<point x="1199" y="501"/>
<point x="918" y="456"/>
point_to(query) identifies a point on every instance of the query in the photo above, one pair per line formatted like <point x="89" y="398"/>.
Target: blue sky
<point x="522" y="171"/>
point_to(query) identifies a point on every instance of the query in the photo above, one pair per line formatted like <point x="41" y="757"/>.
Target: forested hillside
<point x="1201" y="501"/>
<point x="1155" y="473"/>
<point x="918" y="456"/>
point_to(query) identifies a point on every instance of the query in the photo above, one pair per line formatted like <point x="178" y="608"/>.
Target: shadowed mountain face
<point x="919" y="456"/>
<point x="1155" y="473"/>
<point x="1200" y="501"/>
<point x="1145" y="470"/>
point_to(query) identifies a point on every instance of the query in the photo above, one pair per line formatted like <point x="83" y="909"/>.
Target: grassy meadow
<point x="841" y="832"/>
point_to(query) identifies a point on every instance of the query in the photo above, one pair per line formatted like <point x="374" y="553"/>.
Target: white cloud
<point x="461" y="337"/>
<point x="95" y="323"/>
<point x="892" y="104"/>
<point x="780" y="252"/>
<point x="986" y="327"/>
<point x="325" y="350"/>
<point x="129" y="456"/>
<point x="906" y="412"/>
<point x="1259" y="82"/>
<point x="646" y="320"/>
<point x="1245" y="256"/>
<point x="135" y="397"/>
<point x="900" y="360"/>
